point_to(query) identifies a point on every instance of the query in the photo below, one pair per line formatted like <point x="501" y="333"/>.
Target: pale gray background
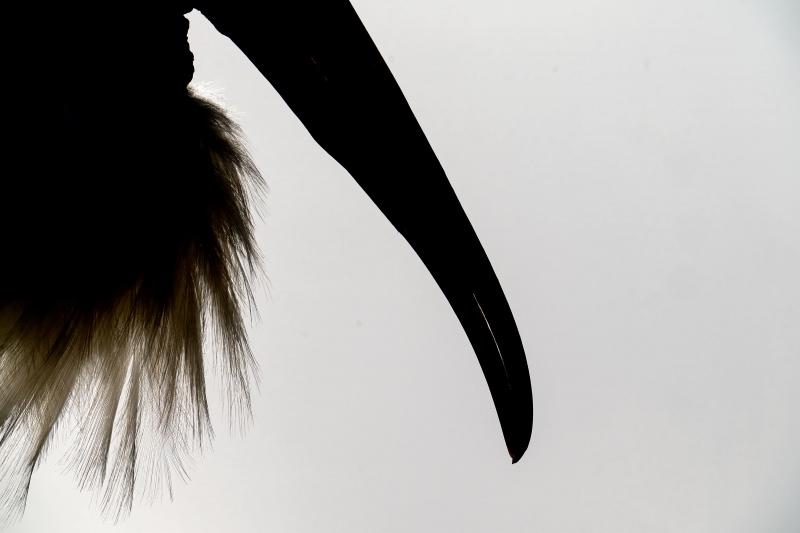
<point x="633" y="170"/>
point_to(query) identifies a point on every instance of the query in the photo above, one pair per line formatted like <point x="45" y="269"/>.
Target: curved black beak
<point x="322" y="61"/>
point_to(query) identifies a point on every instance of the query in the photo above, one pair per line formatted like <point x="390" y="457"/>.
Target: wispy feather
<point x="127" y="249"/>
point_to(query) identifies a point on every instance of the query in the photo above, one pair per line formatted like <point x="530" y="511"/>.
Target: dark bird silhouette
<point x="128" y="238"/>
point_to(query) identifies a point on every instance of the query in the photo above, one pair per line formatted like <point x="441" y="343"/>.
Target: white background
<point x="633" y="170"/>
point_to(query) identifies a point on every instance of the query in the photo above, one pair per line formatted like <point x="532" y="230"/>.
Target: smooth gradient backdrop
<point x="633" y="171"/>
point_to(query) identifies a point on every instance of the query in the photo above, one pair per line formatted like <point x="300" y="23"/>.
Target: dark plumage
<point x="128" y="240"/>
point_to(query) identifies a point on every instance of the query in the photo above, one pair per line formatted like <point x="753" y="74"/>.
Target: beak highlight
<point x="321" y="60"/>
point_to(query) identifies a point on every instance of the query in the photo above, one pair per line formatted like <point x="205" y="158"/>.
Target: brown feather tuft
<point x="131" y="244"/>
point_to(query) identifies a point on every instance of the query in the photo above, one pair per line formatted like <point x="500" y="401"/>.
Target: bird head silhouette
<point x="127" y="205"/>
